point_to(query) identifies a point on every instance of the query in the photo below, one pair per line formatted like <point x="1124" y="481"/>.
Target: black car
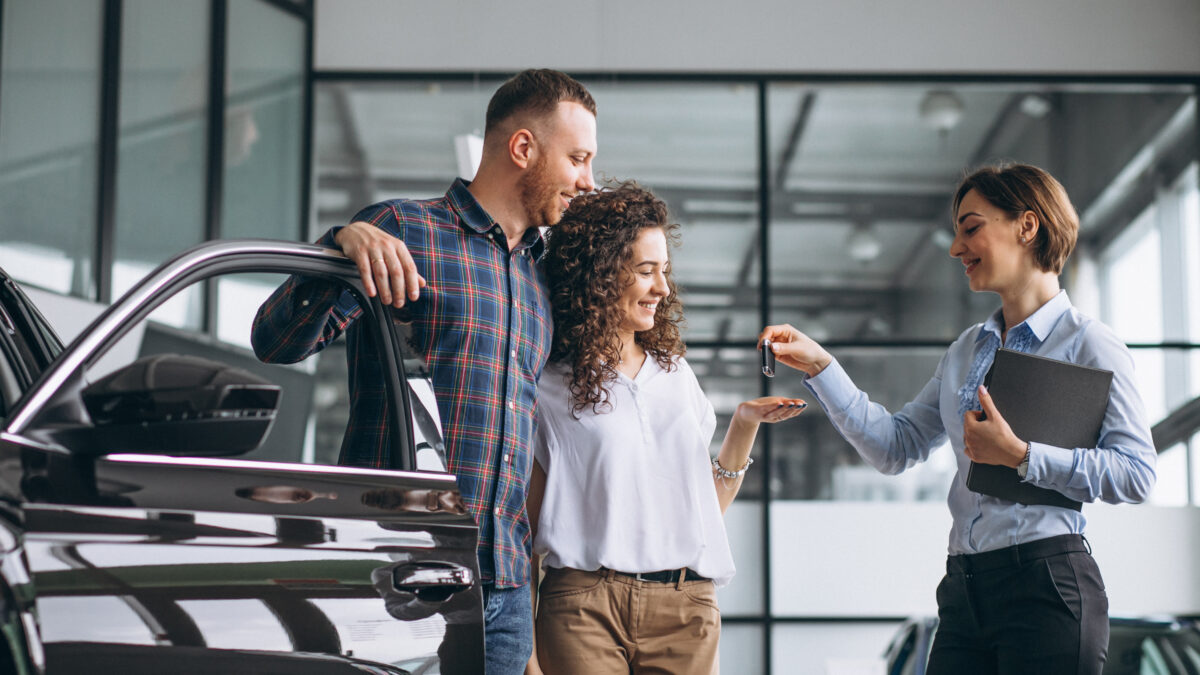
<point x="1136" y="646"/>
<point x="178" y="511"/>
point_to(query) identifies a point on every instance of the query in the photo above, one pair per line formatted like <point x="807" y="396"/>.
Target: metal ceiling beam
<point x="793" y="139"/>
<point x="897" y="206"/>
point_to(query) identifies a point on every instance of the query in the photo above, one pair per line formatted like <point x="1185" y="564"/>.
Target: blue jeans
<point x="508" y="629"/>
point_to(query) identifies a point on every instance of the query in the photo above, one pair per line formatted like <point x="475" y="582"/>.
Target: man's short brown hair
<point x="537" y="93"/>
<point x="1017" y="188"/>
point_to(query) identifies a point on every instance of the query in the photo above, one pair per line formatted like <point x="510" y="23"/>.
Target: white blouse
<point x="631" y="488"/>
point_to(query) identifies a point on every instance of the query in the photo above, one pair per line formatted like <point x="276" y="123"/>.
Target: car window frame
<point x="28" y="345"/>
<point x="57" y="391"/>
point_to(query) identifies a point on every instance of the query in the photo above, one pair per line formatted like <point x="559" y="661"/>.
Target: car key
<point x="768" y="358"/>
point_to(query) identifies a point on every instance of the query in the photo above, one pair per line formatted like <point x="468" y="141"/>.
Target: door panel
<point x="246" y="555"/>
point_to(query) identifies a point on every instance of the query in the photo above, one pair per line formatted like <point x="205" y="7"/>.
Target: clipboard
<point x="1045" y="401"/>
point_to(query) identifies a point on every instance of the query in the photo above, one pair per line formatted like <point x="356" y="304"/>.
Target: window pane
<point x="695" y="146"/>
<point x="813" y="461"/>
<point x="49" y="107"/>
<point x="387" y="141"/>
<point x="263" y="123"/>
<point x="860" y="208"/>
<point x="1134" y="305"/>
<point x="398" y="140"/>
<point x="1191" y="237"/>
<point x="743" y="525"/>
<point x="830" y="647"/>
<point x="1170" y="489"/>
<point x="862" y="177"/>
<point x="1194" y="464"/>
<point x="741" y="649"/>
<point x="162" y="142"/>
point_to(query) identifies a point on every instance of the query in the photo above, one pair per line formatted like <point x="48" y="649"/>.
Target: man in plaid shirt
<point x="482" y="321"/>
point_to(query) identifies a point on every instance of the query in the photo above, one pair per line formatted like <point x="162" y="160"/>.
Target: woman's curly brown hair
<point x="588" y="259"/>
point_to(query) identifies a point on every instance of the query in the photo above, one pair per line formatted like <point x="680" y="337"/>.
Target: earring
<point x="1022" y="240"/>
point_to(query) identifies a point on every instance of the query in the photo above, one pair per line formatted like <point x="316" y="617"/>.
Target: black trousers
<point x="1037" y="607"/>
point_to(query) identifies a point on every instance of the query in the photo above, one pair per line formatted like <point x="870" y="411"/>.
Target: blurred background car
<point x="1136" y="646"/>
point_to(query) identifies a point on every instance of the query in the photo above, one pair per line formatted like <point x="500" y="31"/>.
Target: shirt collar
<point x="1040" y="322"/>
<point x="473" y="217"/>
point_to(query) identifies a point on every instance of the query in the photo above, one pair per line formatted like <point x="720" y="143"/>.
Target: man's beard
<point x="539" y="198"/>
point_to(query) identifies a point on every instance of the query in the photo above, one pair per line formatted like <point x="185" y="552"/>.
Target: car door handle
<point x="432" y="579"/>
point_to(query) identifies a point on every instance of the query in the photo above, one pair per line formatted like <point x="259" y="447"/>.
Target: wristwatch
<point x="1023" y="467"/>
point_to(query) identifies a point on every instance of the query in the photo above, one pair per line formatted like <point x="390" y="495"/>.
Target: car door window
<point x="314" y="406"/>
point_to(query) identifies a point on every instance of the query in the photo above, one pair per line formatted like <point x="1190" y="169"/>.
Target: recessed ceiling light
<point x="862" y="245"/>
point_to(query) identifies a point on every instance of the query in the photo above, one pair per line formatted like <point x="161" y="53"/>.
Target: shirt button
<point x="507" y="458"/>
<point x="304" y="303"/>
<point x="511" y="406"/>
<point x="496" y="510"/>
<point x="513" y="353"/>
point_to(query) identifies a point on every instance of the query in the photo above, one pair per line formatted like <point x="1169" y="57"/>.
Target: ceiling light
<point x="862" y="245"/>
<point x="941" y="110"/>
<point x="942" y="238"/>
<point x="720" y="207"/>
<point x="803" y="208"/>
<point x="1035" y="106"/>
<point x="878" y="326"/>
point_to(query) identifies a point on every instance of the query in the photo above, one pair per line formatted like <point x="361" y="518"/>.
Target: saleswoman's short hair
<point x="1017" y="188"/>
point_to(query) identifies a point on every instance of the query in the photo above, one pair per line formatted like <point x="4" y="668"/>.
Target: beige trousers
<point x="603" y="622"/>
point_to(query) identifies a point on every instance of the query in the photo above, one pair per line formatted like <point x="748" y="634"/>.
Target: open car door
<point x="144" y="535"/>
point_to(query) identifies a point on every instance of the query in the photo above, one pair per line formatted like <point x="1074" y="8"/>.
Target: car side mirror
<point x="173" y="404"/>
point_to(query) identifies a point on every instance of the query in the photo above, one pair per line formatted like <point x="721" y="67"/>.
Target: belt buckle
<point x="639" y="576"/>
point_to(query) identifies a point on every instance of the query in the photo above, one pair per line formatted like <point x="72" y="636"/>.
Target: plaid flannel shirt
<point x="483" y="324"/>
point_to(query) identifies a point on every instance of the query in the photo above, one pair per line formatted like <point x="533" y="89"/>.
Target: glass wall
<point x="264" y="122"/>
<point x="857" y="177"/>
<point x="162" y="165"/>
<point x="128" y="84"/>
<point x="49" y="142"/>
<point x="263" y="153"/>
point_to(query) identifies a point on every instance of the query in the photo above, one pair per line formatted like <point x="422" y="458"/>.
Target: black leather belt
<point x="665" y="576"/>
<point x="1018" y="555"/>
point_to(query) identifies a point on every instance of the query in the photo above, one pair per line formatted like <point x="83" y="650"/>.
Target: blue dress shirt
<point x="1121" y="469"/>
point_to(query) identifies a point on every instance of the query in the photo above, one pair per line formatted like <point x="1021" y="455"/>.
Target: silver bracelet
<point x="726" y="473"/>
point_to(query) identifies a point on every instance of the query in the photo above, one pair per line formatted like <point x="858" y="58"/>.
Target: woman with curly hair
<point x="624" y="502"/>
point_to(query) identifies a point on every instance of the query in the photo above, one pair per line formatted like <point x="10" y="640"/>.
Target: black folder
<point x="1045" y="401"/>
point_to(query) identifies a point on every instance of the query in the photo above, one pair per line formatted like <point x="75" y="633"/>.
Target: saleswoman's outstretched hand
<point x="769" y="409"/>
<point x="795" y="349"/>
